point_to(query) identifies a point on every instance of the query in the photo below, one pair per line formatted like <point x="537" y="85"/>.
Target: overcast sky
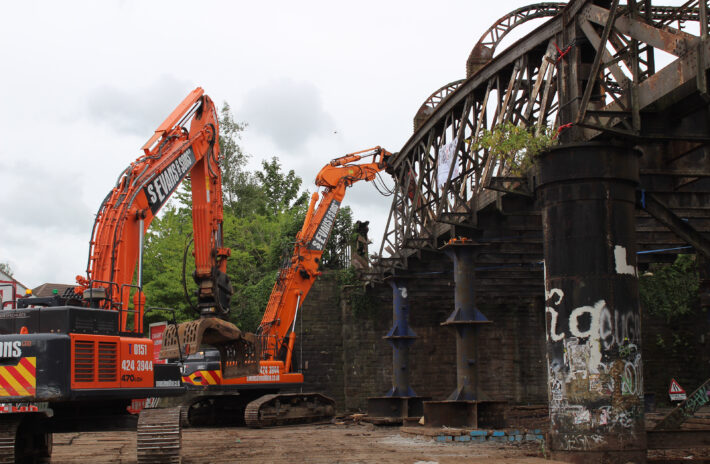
<point x="85" y="84"/>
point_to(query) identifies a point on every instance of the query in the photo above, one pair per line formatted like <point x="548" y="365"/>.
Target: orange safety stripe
<point x="203" y="378"/>
<point x="212" y="377"/>
<point x="19" y="380"/>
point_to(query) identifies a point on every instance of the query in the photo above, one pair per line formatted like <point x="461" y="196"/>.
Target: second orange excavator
<point x="258" y="366"/>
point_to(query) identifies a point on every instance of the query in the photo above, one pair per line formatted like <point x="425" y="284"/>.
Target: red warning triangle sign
<point x="675" y="387"/>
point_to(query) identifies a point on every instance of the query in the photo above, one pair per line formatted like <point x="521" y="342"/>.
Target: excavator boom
<point x="297" y="277"/>
<point x="171" y="154"/>
<point x="270" y="349"/>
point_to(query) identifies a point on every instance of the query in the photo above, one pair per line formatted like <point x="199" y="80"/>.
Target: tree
<point x="165" y="244"/>
<point x="515" y="146"/>
<point x="670" y="291"/>
<point x="240" y="188"/>
<point x="336" y="252"/>
<point x="280" y="190"/>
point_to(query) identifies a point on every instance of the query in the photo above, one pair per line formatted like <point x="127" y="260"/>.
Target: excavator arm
<point x="276" y="331"/>
<point x="171" y="154"/>
<point x="274" y="340"/>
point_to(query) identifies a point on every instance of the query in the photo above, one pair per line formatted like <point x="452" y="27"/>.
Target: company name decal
<point x="326" y="225"/>
<point x="10" y="349"/>
<point x="160" y="188"/>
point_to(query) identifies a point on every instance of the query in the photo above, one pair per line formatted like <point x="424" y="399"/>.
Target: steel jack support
<point x="400" y="401"/>
<point x="464" y="407"/>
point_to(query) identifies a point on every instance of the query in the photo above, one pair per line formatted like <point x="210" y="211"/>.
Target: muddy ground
<point x="328" y="443"/>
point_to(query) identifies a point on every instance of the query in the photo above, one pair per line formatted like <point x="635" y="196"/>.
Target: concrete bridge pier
<point x="593" y="323"/>
<point x="400" y="401"/>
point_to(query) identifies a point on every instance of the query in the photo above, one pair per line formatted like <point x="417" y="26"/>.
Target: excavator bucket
<point x="239" y="352"/>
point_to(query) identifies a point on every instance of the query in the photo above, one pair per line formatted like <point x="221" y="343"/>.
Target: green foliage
<point x="341" y="238"/>
<point x="241" y="191"/>
<point x="361" y="303"/>
<point x="249" y="302"/>
<point x="660" y="342"/>
<point x="280" y="190"/>
<point x="165" y="243"/>
<point x="670" y="291"/>
<point x="515" y="146"/>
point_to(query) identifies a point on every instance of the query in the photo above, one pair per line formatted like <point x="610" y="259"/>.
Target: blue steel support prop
<point x="400" y="401"/>
<point x="466" y="319"/>
<point x="400" y="337"/>
<point x="464" y="407"/>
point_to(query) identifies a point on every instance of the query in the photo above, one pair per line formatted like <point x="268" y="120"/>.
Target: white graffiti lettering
<point x="621" y="262"/>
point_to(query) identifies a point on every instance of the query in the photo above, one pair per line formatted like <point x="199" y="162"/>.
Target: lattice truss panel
<point x="588" y="72"/>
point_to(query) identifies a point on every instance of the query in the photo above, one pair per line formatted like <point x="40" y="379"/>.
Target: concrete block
<point x="518" y="437"/>
<point x="513" y="432"/>
<point x="498" y="433"/>
<point x="444" y="438"/>
<point x="478" y="433"/>
<point x="529" y="437"/>
<point x="463" y="438"/>
<point x="537" y="432"/>
<point x="539" y="437"/>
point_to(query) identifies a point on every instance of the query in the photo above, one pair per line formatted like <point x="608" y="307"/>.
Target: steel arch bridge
<point x="594" y="71"/>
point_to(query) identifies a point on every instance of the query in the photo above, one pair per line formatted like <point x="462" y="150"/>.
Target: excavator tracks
<point x="159" y="436"/>
<point x="24" y="439"/>
<point x="288" y="408"/>
<point x="8" y="432"/>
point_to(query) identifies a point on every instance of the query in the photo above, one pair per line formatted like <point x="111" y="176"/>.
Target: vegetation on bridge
<point x="514" y="146"/>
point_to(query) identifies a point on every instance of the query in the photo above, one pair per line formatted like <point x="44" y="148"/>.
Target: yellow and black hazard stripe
<point x="20" y="379"/>
<point x="211" y="377"/>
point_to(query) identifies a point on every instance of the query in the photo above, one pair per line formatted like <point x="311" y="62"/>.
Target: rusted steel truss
<point x="592" y="71"/>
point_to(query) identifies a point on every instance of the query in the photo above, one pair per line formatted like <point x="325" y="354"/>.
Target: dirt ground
<point x="351" y="443"/>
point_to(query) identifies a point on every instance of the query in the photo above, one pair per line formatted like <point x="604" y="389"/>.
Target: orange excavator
<point x="143" y="188"/>
<point x="271" y="348"/>
<point x="75" y="362"/>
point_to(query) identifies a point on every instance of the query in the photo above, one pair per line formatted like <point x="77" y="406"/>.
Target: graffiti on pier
<point x="610" y="328"/>
<point x="595" y="370"/>
<point x="570" y="442"/>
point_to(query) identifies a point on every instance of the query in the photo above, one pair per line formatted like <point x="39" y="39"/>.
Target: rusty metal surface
<point x="474" y="414"/>
<point x="593" y="319"/>
<point x="239" y="352"/>
<point x="450" y="414"/>
<point x="543" y="80"/>
<point x="485" y="48"/>
<point x="185" y="338"/>
<point x="399" y="406"/>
